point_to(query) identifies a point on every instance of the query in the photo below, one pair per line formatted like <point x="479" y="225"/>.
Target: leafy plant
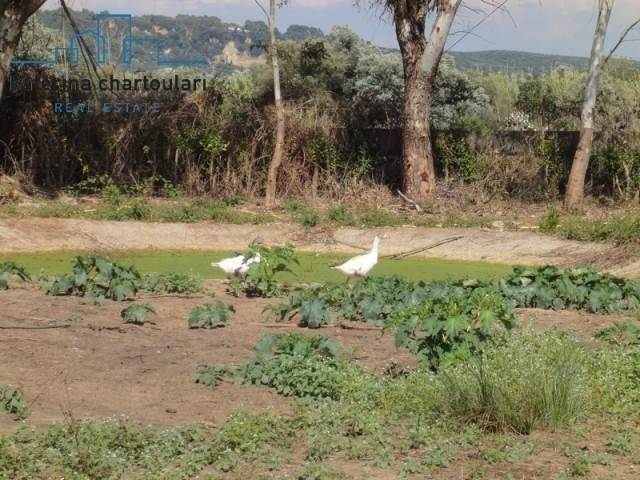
<point x="260" y="280"/>
<point x="212" y="376"/>
<point x="12" y="402"/>
<point x="99" y="277"/>
<point x="581" y="288"/>
<point x="7" y="269"/>
<point x="183" y="283"/>
<point x="137" y="313"/>
<point x="445" y="328"/>
<point x="210" y="315"/>
<point x="296" y="365"/>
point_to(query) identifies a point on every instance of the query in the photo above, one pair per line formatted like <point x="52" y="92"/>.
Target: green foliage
<point x="98" y="277"/>
<point x="623" y="228"/>
<point x="210" y="315"/>
<point x="302" y="212"/>
<point x="580" y="288"/>
<point x="341" y="215"/>
<point x="212" y="376"/>
<point x="550" y="221"/>
<point x="456" y="157"/>
<point x="445" y="328"/>
<point x="12" y="402"/>
<point x="296" y="365"/>
<point x="183" y="283"/>
<point x="615" y="374"/>
<point x="260" y="280"/>
<point x="533" y="380"/>
<point x="9" y="269"/>
<point x="137" y="313"/>
<point x="621" y="334"/>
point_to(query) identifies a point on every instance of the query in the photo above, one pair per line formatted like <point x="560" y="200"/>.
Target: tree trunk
<point x="421" y="59"/>
<point x="276" y="159"/>
<point x="13" y="15"/>
<point x="417" y="157"/>
<point x="575" y="186"/>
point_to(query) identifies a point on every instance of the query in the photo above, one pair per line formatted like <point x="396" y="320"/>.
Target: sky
<point x="543" y="26"/>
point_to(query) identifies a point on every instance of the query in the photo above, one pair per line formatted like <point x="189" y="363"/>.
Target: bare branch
<point x="496" y="8"/>
<point x="264" y="10"/>
<point x="621" y="40"/>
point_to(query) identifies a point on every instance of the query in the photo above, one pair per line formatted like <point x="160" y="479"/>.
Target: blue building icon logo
<point x="72" y="53"/>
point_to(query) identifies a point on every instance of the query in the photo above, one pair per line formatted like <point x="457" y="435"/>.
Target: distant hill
<point x="230" y="46"/>
<point x="185" y="36"/>
<point x="515" y="61"/>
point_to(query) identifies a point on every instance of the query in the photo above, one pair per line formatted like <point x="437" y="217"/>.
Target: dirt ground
<point x="525" y="248"/>
<point x="99" y="367"/>
<point x="102" y="369"/>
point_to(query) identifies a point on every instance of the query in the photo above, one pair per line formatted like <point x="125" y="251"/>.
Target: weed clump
<point x="530" y="381"/>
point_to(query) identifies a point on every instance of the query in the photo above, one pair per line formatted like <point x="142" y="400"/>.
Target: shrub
<point x="341" y="215"/>
<point x="531" y="381"/>
<point x="444" y="328"/>
<point x="210" y="315"/>
<point x="137" y="313"/>
<point x="550" y="222"/>
<point x="12" y="402"/>
<point x="260" y="280"/>
<point x="212" y="376"/>
<point x="9" y="269"/>
<point x="302" y="212"/>
<point x="99" y="277"/>
<point x="621" y="334"/>
<point x="580" y="288"/>
<point x="183" y="283"/>
<point x="615" y="372"/>
<point x="296" y="365"/>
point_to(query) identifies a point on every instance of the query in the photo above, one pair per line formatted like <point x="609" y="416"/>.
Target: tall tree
<point x="420" y="59"/>
<point x="575" y="186"/>
<point x="278" y="150"/>
<point x="13" y="16"/>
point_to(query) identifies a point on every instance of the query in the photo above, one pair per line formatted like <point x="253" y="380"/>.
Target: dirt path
<point x="526" y="248"/>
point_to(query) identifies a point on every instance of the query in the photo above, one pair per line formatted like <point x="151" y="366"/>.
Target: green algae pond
<point x="313" y="268"/>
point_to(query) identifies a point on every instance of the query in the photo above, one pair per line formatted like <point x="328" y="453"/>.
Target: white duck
<point x="362" y="264"/>
<point x="237" y="266"/>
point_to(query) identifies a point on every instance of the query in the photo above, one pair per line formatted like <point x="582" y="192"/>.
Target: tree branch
<point x="621" y="40"/>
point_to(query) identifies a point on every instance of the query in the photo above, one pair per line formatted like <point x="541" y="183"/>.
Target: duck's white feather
<point x="238" y="265"/>
<point x="362" y="264"/>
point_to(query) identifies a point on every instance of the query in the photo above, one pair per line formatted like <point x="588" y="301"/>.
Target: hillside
<point x="515" y="61"/>
<point x="232" y="46"/>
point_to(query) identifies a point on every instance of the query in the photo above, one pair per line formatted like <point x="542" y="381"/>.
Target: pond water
<point x="313" y="268"/>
